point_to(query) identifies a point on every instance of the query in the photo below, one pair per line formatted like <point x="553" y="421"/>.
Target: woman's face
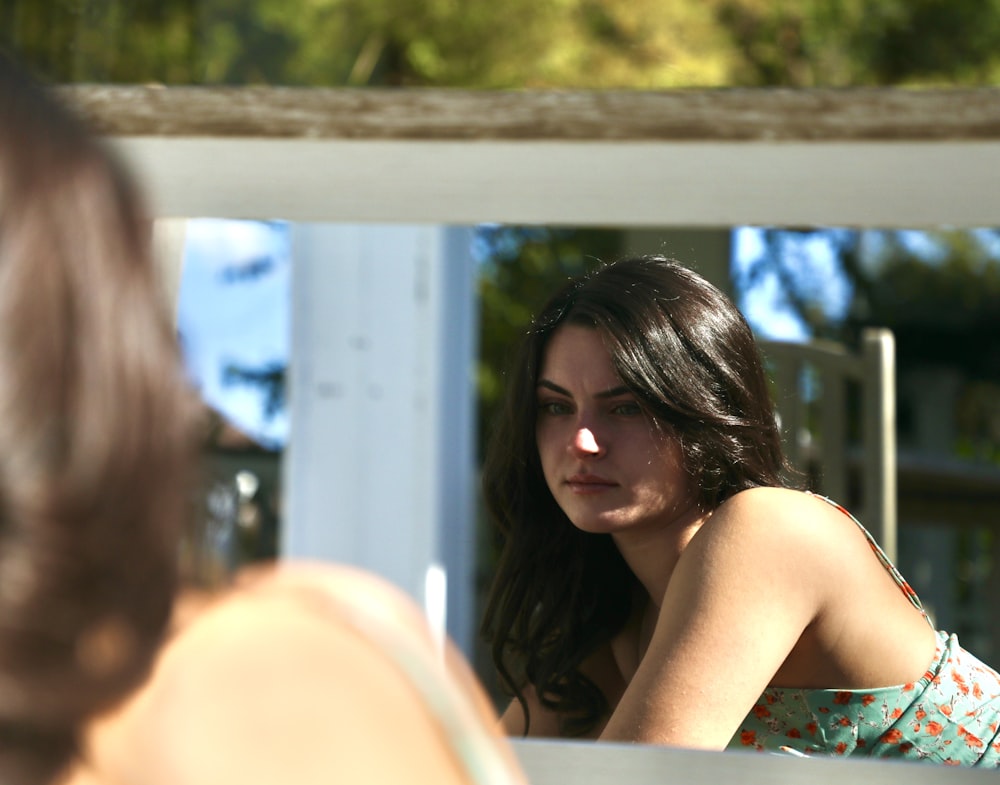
<point x="607" y="465"/>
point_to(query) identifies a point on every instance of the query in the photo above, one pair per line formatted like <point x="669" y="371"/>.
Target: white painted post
<point x="380" y="465"/>
<point x="879" y="357"/>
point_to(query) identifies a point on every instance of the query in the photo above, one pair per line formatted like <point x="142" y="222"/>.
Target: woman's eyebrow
<point x="554" y="387"/>
<point x="613" y="392"/>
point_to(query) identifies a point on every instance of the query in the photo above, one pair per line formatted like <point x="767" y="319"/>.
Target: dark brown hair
<point x="682" y="347"/>
<point x="94" y="446"/>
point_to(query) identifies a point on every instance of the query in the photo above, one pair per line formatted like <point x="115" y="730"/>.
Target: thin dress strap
<point x="886" y="562"/>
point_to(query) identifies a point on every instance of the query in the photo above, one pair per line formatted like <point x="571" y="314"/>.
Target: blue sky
<point x="811" y="259"/>
<point x="233" y="312"/>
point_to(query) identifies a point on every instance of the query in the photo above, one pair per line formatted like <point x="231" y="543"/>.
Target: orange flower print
<point x="906" y="746"/>
<point x="977" y="691"/>
<point x="867" y="700"/>
<point x="824" y="710"/>
<point x="845" y="722"/>
<point x="973" y="741"/>
<point x="861" y="744"/>
<point x="915" y="726"/>
<point x="812" y="727"/>
<point x="893" y="736"/>
<point x="748" y="737"/>
<point x="908" y="686"/>
<point x="761" y="711"/>
<point x="896" y="714"/>
<point x="945" y="709"/>
<point x="794" y="733"/>
<point x="841" y="748"/>
<point x="920" y="714"/>
<point x="842" y="698"/>
<point x="934" y="728"/>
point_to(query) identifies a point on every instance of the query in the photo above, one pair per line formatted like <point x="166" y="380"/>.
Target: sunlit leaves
<point x="581" y="44"/>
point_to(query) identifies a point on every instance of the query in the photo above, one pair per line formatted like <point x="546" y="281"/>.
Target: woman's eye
<point x="629" y="409"/>
<point x="553" y="408"/>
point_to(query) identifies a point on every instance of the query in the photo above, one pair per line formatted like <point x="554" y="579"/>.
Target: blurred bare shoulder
<point x="292" y="676"/>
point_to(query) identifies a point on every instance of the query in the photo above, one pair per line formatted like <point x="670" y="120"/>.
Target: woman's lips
<point x="589" y="483"/>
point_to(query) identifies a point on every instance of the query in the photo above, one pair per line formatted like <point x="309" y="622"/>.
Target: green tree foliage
<point x="647" y="44"/>
<point x="841" y="43"/>
<point x="474" y="43"/>
<point x="103" y="40"/>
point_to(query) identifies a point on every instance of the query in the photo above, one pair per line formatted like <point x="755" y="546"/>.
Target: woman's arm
<point x="743" y="591"/>
<point x="544" y="723"/>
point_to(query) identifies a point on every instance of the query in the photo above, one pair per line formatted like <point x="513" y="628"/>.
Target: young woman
<point x="302" y="674"/>
<point x="658" y="583"/>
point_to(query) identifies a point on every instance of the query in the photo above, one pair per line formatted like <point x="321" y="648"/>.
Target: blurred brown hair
<point x="95" y="448"/>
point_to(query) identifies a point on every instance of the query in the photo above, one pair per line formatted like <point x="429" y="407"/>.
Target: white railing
<point x="815" y="425"/>
<point x="600" y="763"/>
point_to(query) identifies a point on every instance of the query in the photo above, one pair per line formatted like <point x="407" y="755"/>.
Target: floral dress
<point x="950" y="715"/>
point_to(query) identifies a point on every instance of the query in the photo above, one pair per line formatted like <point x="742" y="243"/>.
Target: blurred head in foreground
<point x="94" y="443"/>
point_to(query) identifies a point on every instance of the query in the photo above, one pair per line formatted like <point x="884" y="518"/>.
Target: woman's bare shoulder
<point x="289" y="676"/>
<point x="773" y="498"/>
<point x="775" y="515"/>
<point x="771" y="539"/>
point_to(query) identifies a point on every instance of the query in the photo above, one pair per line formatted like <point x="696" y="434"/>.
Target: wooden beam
<point x="428" y="114"/>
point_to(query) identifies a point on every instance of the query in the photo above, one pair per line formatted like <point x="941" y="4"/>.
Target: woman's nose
<point x="585" y="443"/>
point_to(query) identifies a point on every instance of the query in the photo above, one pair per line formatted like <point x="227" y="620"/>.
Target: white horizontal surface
<point x="888" y="184"/>
<point x="601" y="763"/>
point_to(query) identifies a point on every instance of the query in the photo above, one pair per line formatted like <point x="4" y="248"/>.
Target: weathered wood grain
<point x="439" y="114"/>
